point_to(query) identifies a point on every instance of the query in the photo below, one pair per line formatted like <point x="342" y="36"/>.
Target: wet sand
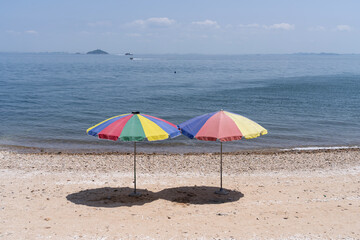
<point x="277" y="195"/>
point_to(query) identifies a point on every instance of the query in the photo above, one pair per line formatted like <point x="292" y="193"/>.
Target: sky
<point x="180" y="27"/>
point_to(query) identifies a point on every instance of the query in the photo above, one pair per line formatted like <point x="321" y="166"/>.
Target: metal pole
<point x="221" y="191"/>
<point x="135" y="194"/>
<point x="221" y="188"/>
<point x="135" y="168"/>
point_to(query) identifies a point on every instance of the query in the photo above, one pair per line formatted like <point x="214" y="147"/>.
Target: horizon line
<point x="214" y="54"/>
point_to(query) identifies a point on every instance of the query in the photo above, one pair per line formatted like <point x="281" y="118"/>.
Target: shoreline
<point x="34" y="150"/>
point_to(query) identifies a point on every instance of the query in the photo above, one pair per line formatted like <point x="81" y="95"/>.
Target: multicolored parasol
<point x="223" y="126"/>
<point x="134" y="127"/>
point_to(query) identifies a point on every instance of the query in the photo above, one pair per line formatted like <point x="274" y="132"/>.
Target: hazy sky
<point x="182" y="26"/>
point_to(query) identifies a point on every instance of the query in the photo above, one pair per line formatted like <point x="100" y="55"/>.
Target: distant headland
<point x="97" y="51"/>
<point x="311" y="53"/>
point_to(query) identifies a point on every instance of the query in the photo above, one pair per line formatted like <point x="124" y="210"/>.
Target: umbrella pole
<point x="221" y="191"/>
<point x="135" y="167"/>
<point x="135" y="194"/>
<point x="221" y="166"/>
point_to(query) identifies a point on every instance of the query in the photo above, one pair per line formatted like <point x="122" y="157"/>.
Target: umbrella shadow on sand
<point x="111" y="197"/>
<point x="119" y="197"/>
<point x="198" y="195"/>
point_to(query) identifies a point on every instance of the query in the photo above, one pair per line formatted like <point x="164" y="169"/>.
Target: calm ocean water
<point x="49" y="100"/>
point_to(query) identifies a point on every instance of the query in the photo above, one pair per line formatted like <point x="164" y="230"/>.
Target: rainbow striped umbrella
<point x="134" y="127"/>
<point x="223" y="126"/>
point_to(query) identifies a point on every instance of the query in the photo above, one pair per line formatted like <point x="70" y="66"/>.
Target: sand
<point x="273" y="195"/>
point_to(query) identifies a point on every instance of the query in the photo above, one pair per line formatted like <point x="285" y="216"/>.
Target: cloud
<point x="343" y="28"/>
<point x="251" y="25"/>
<point x="154" y="22"/>
<point x="207" y="23"/>
<point x="100" y="24"/>
<point x="109" y="33"/>
<point x="85" y="32"/>
<point x="31" y="32"/>
<point x="12" y="32"/>
<point x="281" y="26"/>
<point x="133" y="34"/>
<point x="317" y="29"/>
<point x="277" y="26"/>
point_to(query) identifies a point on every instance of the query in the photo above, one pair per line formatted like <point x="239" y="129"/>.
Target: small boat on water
<point x="128" y="54"/>
<point x="131" y="58"/>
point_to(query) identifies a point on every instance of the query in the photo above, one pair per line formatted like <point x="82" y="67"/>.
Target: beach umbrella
<point x="134" y="127"/>
<point x="222" y="126"/>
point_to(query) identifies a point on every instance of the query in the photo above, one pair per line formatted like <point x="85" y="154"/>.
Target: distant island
<point x="310" y="53"/>
<point x="97" y="51"/>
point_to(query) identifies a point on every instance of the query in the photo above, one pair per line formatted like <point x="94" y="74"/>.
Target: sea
<point x="305" y="101"/>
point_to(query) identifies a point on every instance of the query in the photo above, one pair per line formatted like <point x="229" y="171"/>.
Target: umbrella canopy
<point x="134" y="127"/>
<point x="222" y="126"/>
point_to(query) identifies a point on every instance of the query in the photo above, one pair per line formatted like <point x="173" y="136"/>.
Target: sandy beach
<point x="273" y="195"/>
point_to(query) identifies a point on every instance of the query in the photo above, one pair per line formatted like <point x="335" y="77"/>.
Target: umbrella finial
<point x="136" y="112"/>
